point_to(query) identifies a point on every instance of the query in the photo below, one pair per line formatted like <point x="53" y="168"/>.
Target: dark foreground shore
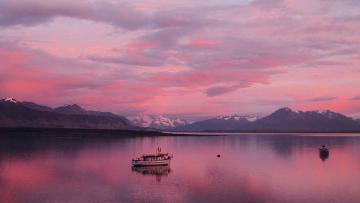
<point x="65" y="132"/>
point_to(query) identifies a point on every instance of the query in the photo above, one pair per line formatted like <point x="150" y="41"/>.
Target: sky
<point x="182" y="58"/>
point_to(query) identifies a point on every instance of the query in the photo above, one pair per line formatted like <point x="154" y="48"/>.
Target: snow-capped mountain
<point x="285" y="119"/>
<point x="282" y="120"/>
<point x="15" y="113"/>
<point x="226" y="122"/>
<point x="327" y="113"/>
<point x="157" y="121"/>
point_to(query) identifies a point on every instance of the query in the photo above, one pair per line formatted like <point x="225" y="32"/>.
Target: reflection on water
<point x="324" y="154"/>
<point x="157" y="171"/>
<point x="252" y="168"/>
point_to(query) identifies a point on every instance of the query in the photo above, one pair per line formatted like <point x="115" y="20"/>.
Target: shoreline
<point x="76" y="132"/>
<point x="309" y="134"/>
<point x="88" y="133"/>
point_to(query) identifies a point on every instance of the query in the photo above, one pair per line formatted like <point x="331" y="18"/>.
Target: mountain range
<point x="28" y="114"/>
<point x="157" y="121"/>
<point x="282" y="120"/>
<point x="223" y="123"/>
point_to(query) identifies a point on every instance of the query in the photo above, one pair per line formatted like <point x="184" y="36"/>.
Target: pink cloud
<point x="261" y="54"/>
<point x="26" y="77"/>
<point x="122" y="15"/>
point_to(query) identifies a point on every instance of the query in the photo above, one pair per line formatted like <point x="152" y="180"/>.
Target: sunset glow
<point x="191" y="59"/>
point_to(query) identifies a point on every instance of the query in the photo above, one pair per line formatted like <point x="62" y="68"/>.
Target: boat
<point x="324" y="152"/>
<point x="158" y="159"/>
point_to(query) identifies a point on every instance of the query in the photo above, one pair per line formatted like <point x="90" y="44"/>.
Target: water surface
<point x="252" y="168"/>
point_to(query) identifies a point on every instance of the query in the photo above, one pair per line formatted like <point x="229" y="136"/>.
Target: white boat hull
<point x="151" y="163"/>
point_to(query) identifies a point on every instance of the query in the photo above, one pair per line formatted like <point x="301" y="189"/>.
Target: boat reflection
<point x="157" y="171"/>
<point x="323" y="156"/>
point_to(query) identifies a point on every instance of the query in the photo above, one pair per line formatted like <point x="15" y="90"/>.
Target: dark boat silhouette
<point x="324" y="153"/>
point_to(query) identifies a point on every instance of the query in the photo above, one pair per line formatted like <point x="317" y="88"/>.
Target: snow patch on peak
<point x="249" y="117"/>
<point x="323" y="112"/>
<point x="12" y="100"/>
<point x="288" y="110"/>
<point x="327" y="113"/>
<point x="229" y="117"/>
<point x="253" y="118"/>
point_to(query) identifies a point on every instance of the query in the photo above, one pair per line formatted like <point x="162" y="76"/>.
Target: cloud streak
<point x="219" y="90"/>
<point x="355" y="98"/>
<point x="322" y="99"/>
<point x="123" y="15"/>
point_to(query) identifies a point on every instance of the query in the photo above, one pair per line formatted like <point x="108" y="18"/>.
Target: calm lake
<point x="252" y="168"/>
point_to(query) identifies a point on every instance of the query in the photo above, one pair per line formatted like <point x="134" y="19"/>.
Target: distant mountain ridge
<point x="285" y="119"/>
<point x="35" y="106"/>
<point x="282" y="120"/>
<point x="227" y="122"/>
<point x="157" y="121"/>
<point x="28" y="114"/>
<point x="75" y="109"/>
